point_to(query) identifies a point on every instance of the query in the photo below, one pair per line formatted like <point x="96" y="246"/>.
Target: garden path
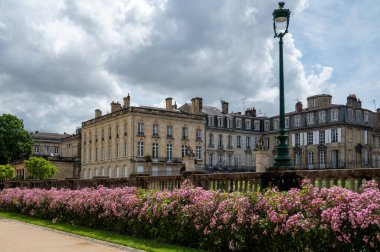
<point x="16" y="236"/>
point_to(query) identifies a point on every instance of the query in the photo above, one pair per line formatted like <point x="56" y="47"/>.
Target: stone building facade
<point x="141" y="139"/>
<point x="47" y="144"/>
<point x="230" y="138"/>
<point x="322" y="135"/>
<point x="325" y="135"/>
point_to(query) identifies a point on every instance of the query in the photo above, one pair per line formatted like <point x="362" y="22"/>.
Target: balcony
<point x="221" y="147"/>
<point x="198" y="139"/>
<point x="155" y="135"/>
<point x="185" y="138"/>
<point x="140" y="134"/>
<point x="169" y="136"/>
<point x="211" y="146"/>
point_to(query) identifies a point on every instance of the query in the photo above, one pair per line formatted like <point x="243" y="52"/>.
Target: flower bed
<point x="334" y="219"/>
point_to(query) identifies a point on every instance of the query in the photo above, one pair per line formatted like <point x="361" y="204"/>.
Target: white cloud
<point x="63" y="59"/>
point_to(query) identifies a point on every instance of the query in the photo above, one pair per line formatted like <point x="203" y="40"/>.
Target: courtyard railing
<point x="229" y="182"/>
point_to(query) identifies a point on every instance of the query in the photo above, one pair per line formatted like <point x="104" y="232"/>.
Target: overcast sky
<point x="60" y="60"/>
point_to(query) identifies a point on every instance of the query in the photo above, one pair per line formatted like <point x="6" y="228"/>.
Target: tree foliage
<point x="40" y="168"/>
<point x="15" y="142"/>
<point x="6" y="172"/>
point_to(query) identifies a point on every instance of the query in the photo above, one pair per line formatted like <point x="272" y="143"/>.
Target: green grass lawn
<point x="130" y="241"/>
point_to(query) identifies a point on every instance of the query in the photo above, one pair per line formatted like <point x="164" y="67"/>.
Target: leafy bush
<point x="310" y="219"/>
<point x="40" y="168"/>
<point x="6" y="172"/>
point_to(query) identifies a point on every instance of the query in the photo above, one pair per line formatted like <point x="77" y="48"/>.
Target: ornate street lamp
<point x="280" y="25"/>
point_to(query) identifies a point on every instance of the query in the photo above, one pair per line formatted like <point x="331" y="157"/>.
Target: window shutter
<point x="293" y="140"/>
<point x="315" y="136"/>
<point x="328" y="136"/>
<point x="305" y="138"/>
<point x="301" y="139"/>
<point x="339" y="134"/>
<point x="365" y="137"/>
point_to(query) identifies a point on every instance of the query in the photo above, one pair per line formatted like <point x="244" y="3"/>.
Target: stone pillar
<point x="189" y="163"/>
<point x="262" y="161"/>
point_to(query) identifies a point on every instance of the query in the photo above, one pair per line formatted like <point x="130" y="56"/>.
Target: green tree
<point x="40" y="168"/>
<point x="6" y="172"/>
<point x="15" y="142"/>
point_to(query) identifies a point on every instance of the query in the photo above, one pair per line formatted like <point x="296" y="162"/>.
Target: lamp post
<point x="280" y="26"/>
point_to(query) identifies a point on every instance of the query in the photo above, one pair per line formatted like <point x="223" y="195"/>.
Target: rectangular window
<point x="287" y="123"/>
<point x="169" y="132"/>
<point x="102" y="153"/>
<point x="220" y="142"/>
<point x="238" y="141"/>
<point x="210" y="121"/>
<point x="297" y="139"/>
<point x="109" y="151"/>
<point x="220" y="122"/>
<point x="248" y="124"/>
<point x="334" y="135"/>
<point x="198" y="134"/>
<point x="322" y="159"/>
<point x="90" y="155"/>
<point x="266" y="125"/>
<point x="117" y="150"/>
<point x="220" y="159"/>
<point x="56" y="150"/>
<point x="238" y="123"/>
<point x="184" y="133"/>
<point x="230" y="160"/>
<point x="47" y="149"/>
<point x="198" y="152"/>
<point x="266" y="143"/>
<point x="297" y="159"/>
<point x="125" y="128"/>
<point x="96" y="153"/>
<point x="155" y="130"/>
<point x="169" y="152"/>
<point x="248" y="142"/>
<point x="257" y="125"/>
<point x="322" y="117"/>
<point x="183" y="150"/>
<point x="140" y="129"/>
<point x="297" y="121"/>
<point x="310" y="138"/>
<point x="334" y="115"/>
<point x="109" y="132"/>
<point x="350" y="115"/>
<point x="210" y="159"/>
<point x="310" y="118"/>
<point x="365" y="137"/>
<point x="229" y="123"/>
<point x="276" y="124"/>
<point x="125" y="150"/>
<point x="229" y="142"/>
<point x="117" y="130"/>
<point x="310" y="158"/>
<point x="140" y="149"/>
<point x="155" y="151"/>
<point x="237" y="160"/>
<point x="322" y="137"/>
<point x="96" y="135"/>
<point x="36" y="149"/>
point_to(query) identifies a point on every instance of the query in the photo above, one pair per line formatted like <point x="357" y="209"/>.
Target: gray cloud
<point x="60" y="60"/>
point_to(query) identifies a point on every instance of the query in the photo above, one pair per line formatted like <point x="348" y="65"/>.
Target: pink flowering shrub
<point x="310" y="219"/>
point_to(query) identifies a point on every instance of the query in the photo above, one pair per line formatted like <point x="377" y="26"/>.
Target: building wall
<point x="117" y="136"/>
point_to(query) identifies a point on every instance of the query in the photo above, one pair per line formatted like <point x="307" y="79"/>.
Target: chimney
<point x="224" y="107"/>
<point x="251" y="112"/>
<point x="115" y="106"/>
<point x="98" y="113"/>
<point x="359" y="103"/>
<point x="127" y="101"/>
<point x="169" y="103"/>
<point x="299" y="107"/>
<point x="196" y="105"/>
<point x="175" y="105"/>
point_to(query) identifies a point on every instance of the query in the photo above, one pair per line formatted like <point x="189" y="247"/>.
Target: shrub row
<point x="310" y="219"/>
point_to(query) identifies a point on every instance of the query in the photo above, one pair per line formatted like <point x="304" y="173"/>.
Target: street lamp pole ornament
<point x="281" y="18"/>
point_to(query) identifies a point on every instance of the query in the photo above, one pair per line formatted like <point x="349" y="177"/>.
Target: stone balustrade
<point x="229" y="182"/>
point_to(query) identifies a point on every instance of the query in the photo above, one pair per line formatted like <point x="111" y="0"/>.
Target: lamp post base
<point x="282" y="157"/>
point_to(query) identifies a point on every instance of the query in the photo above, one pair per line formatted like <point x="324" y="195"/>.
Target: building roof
<point x="40" y="136"/>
